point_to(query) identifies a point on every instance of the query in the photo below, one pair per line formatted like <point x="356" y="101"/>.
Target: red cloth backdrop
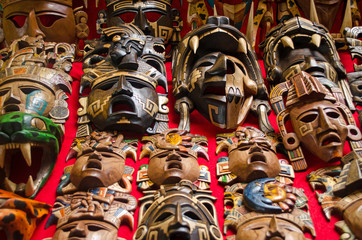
<point x="199" y="125"/>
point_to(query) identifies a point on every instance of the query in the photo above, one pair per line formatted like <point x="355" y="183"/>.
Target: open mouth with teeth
<point x="28" y="151"/>
<point x="330" y="140"/>
<point x="159" y="48"/>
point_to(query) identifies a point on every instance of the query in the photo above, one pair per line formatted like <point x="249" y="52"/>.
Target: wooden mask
<point x="173" y="156"/>
<point x="300" y="45"/>
<point x="100" y="160"/>
<point x="216" y="71"/>
<point x="154" y="18"/>
<point x="179" y="210"/>
<point x="236" y="11"/>
<point x="267" y="209"/>
<point x="320" y="124"/>
<point x="53" y="20"/>
<point x="251" y="154"/>
<point x="123" y="83"/>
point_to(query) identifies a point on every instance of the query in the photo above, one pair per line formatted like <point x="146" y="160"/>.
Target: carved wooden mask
<point x="173" y="156"/>
<point x="215" y="71"/>
<point x="53" y="20"/>
<point x="179" y="211"/>
<point x="251" y="154"/>
<point x="154" y="18"/>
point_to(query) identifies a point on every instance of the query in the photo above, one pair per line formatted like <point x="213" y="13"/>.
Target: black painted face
<point x="221" y="89"/>
<point x="152" y="17"/>
<point x="125" y="102"/>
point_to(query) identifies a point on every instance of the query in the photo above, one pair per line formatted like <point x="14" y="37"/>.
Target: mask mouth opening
<point x="174" y="165"/>
<point x="24" y="167"/>
<point x="257" y="157"/>
<point x="330" y="139"/>
<point x="122" y="106"/>
<point x="93" y="164"/>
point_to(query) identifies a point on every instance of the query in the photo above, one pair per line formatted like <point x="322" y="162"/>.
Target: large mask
<point x="179" y="211"/>
<point x="251" y="154"/>
<point x="53" y="20"/>
<point x="215" y="71"/>
<point x="320" y="124"/>
<point x="300" y="45"/>
<point x="19" y="215"/>
<point x="123" y="84"/>
<point x="154" y="18"/>
<point x="264" y="209"/>
<point x="173" y="156"/>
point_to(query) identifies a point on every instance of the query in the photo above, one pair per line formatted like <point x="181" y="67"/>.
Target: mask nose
<point x="12" y="98"/>
<point x="255" y="148"/>
<point x="274" y="233"/>
<point x="123" y="87"/>
<point x="324" y="122"/>
<point x="96" y="156"/>
<point x="79" y="231"/>
<point x="219" y="68"/>
<point x="33" y="29"/>
<point x="141" y="21"/>
<point x="173" y="156"/>
<point x="178" y="227"/>
<point x="311" y="65"/>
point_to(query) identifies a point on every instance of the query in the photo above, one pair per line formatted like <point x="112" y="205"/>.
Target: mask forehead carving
<point x="53" y="20"/>
<point x="154" y="18"/>
<point x="173" y="156"/>
<point x="220" y="80"/>
<point x="251" y="154"/>
<point x="180" y="210"/>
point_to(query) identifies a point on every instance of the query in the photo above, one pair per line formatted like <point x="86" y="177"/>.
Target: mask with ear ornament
<point x="321" y="124"/>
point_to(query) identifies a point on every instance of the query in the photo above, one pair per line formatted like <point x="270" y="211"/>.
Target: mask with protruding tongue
<point x="29" y="145"/>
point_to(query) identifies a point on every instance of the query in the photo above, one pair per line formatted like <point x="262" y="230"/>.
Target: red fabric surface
<point x="199" y="125"/>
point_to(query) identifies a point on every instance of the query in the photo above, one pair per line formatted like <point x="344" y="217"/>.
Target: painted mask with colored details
<point x="19" y="215"/>
<point x="53" y="20"/>
<point x="28" y="142"/>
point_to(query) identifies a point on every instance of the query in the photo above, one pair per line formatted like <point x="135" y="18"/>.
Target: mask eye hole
<point x="27" y="90"/>
<point x="127" y="17"/>
<point x="18" y="20"/>
<point x="163" y="216"/>
<point x="205" y="64"/>
<point x="153" y="16"/>
<point x="309" y="118"/>
<point x="192" y="216"/>
<point x="47" y="20"/>
<point x="230" y="67"/>
<point x="334" y="115"/>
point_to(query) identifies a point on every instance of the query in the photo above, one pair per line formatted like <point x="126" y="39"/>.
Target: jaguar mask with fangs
<point x="25" y="138"/>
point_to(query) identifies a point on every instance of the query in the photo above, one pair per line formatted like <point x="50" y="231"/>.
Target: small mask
<point x="236" y="11"/>
<point x="100" y="160"/>
<point x="53" y="20"/>
<point x="320" y="124"/>
<point x="264" y="209"/>
<point x="251" y="154"/>
<point x="19" y="215"/>
<point x="173" y="156"/>
<point x="178" y="211"/>
<point x="218" y="74"/>
<point x="154" y="18"/>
